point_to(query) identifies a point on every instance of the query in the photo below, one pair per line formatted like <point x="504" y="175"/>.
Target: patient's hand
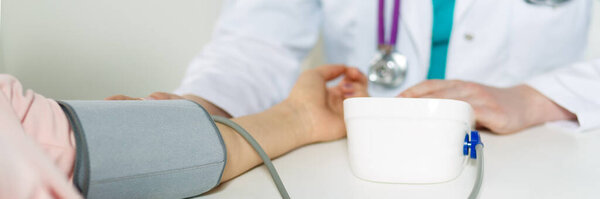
<point x="323" y="107"/>
<point x="318" y="108"/>
<point x="354" y="84"/>
<point x="311" y="113"/>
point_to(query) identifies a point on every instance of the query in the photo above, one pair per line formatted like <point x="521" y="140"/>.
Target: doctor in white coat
<point x="518" y="64"/>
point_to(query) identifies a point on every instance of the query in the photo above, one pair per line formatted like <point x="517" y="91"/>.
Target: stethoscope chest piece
<point x="388" y="69"/>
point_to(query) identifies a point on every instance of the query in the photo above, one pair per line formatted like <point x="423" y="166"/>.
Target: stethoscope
<point x="551" y="3"/>
<point x="389" y="67"/>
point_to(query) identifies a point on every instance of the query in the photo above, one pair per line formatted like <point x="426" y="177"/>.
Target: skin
<point x="311" y="113"/>
<point x="501" y="110"/>
<point x="209" y="106"/>
<point x="314" y="113"/>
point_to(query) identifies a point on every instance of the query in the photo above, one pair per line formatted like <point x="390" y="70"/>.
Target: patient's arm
<point x="278" y="130"/>
<point x="311" y="113"/>
<point x="36" y="149"/>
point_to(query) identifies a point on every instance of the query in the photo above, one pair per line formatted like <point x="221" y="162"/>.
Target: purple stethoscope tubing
<point x="381" y="23"/>
<point x="388" y="67"/>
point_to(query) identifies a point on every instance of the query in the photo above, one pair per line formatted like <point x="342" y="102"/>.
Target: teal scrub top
<point x="443" y="14"/>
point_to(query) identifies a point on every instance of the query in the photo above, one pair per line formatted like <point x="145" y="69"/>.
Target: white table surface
<point x="541" y="162"/>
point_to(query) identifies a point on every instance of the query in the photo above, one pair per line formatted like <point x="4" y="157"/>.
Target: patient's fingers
<point x="329" y="72"/>
<point x="354" y="84"/>
<point x="122" y="97"/>
<point x="352" y="89"/>
<point x="353" y="74"/>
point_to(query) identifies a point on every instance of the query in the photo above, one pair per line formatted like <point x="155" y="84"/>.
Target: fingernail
<point x="349" y="94"/>
<point x="348" y="85"/>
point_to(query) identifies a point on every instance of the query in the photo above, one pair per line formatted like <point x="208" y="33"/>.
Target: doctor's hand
<point x="502" y="110"/>
<point x="209" y="106"/>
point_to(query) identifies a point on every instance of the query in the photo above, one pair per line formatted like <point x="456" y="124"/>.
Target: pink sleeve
<point x="37" y="150"/>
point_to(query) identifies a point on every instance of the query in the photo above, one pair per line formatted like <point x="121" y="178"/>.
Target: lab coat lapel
<point x="418" y="20"/>
<point x="460" y="9"/>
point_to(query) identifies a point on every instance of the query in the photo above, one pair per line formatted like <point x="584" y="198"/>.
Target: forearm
<point x="541" y="109"/>
<point x="278" y="130"/>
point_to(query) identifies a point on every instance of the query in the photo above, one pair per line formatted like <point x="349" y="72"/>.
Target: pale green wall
<point x="90" y="49"/>
<point x="1" y="47"/>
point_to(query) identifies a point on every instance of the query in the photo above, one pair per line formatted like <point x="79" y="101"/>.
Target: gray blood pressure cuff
<point x="144" y="149"/>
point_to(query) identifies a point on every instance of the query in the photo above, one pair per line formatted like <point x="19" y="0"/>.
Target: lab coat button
<point x="468" y="37"/>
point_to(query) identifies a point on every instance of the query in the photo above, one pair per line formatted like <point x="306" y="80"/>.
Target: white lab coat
<point x="254" y="56"/>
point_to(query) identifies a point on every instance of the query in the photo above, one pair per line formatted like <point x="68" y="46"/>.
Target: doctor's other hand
<point x="319" y="108"/>
<point x="502" y="110"/>
<point x="209" y="106"/>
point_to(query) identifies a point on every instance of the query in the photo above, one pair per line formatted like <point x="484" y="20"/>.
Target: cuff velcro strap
<point x="144" y="149"/>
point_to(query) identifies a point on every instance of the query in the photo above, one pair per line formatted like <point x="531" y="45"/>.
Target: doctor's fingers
<point x="429" y="86"/>
<point x="122" y="97"/>
<point x="493" y="119"/>
<point x="487" y="111"/>
<point x="459" y="90"/>
<point x="478" y="98"/>
<point x="451" y="93"/>
<point x="164" y="96"/>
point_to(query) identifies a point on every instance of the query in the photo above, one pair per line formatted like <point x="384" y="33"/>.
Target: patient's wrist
<point x="295" y="120"/>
